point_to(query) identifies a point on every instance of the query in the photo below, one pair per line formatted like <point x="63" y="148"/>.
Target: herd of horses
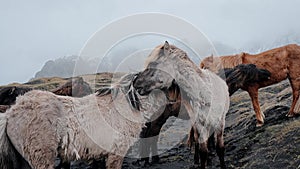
<point x="36" y="127"/>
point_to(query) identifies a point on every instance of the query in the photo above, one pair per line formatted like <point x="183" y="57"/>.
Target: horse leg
<point x="197" y="155"/>
<point x="211" y="146"/>
<point x="41" y="157"/>
<point x="156" y="126"/>
<point x="253" y="92"/>
<point x="221" y="149"/>
<point x="295" y="87"/>
<point x="114" y="161"/>
<point x="155" y="157"/>
<point x="144" y="147"/>
<point x="203" y="154"/>
<point x="193" y="138"/>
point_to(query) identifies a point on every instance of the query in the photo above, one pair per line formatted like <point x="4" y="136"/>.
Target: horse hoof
<point x="290" y="115"/>
<point x="146" y="164"/>
<point x="259" y="124"/>
<point x="136" y="163"/>
<point x="155" y="159"/>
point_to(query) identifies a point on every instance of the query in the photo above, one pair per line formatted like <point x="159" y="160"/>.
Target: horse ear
<point x="166" y="45"/>
<point x="166" y="48"/>
<point x="211" y="57"/>
<point x="13" y="89"/>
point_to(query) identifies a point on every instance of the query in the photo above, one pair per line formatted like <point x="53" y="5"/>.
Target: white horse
<point x="204" y="95"/>
<point x="42" y="126"/>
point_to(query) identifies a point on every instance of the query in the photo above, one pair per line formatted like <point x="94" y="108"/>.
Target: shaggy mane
<point x="125" y="84"/>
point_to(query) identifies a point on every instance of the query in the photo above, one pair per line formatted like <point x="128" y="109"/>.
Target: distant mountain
<point x="131" y="58"/>
<point x="62" y="67"/>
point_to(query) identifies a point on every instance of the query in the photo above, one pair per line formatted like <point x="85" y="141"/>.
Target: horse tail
<point x="9" y="156"/>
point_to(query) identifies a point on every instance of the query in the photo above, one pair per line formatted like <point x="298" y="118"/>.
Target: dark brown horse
<point x="76" y="87"/>
<point x="8" y="96"/>
<point x="153" y="128"/>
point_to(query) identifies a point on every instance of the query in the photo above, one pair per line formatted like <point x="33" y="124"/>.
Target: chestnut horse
<point x="283" y="63"/>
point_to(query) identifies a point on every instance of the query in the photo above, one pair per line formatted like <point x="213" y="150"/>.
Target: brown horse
<point x="76" y="87"/>
<point x="152" y="129"/>
<point x="283" y="63"/>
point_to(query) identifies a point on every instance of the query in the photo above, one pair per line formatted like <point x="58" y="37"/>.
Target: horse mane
<point x="125" y="84"/>
<point x="248" y="73"/>
<point x="243" y="75"/>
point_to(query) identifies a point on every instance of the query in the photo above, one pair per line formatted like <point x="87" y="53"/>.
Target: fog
<point x="33" y="31"/>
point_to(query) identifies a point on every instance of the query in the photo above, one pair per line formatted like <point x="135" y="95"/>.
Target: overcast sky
<point x="34" y="31"/>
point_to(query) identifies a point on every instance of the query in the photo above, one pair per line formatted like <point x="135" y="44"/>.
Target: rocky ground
<point x="274" y="145"/>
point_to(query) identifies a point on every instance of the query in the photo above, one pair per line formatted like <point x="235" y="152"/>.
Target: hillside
<point x="275" y="145"/>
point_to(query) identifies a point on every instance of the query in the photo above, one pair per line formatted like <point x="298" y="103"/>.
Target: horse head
<point x="9" y="94"/>
<point x="159" y="70"/>
<point x="211" y="63"/>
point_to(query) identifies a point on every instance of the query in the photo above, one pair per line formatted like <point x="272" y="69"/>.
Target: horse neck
<point x="191" y="79"/>
<point x="122" y="108"/>
<point x="108" y="116"/>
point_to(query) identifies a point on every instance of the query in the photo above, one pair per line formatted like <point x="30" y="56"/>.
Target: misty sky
<point x="34" y="31"/>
